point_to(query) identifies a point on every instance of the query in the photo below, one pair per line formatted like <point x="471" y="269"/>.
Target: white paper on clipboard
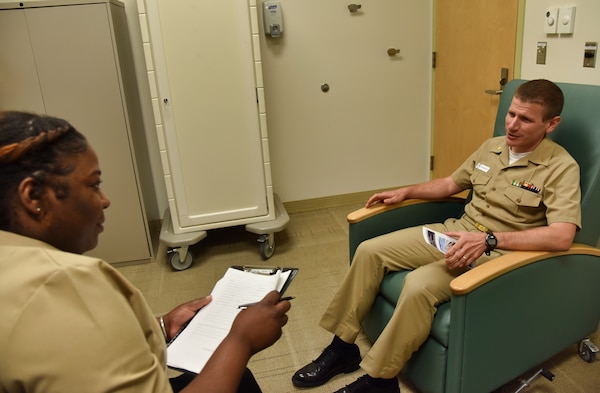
<point x="195" y="344"/>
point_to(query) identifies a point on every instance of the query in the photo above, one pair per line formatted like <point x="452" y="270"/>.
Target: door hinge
<point x="433" y="59"/>
<point x="431" y="160"/>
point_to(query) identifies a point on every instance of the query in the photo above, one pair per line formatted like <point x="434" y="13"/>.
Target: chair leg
<point x="525" y="382"/>
<point x="587" y="351"/>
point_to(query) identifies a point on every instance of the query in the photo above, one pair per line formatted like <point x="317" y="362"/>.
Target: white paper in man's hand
<point x="438" y="240"/>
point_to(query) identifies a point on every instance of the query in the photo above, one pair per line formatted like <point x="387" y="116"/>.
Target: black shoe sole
<point x="322" y="381"/>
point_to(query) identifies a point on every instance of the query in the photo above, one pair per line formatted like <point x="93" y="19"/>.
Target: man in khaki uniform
<point x="525" y="196"/>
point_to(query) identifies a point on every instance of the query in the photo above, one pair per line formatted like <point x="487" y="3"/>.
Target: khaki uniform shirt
<point x="537" y="190"/>
<point x="72" y="323"/>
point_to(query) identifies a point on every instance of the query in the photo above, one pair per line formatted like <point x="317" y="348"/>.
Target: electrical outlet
<point x="541" y="53"/>
<point x="589" y="54"/>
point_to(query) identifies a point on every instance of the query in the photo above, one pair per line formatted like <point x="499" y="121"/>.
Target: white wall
<point x="563" y="64"/>
<point x="371" y="129"/>
<point x="336" y="143"/>
<point x="564" y="57"/>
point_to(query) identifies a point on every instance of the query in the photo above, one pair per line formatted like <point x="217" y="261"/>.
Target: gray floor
<point x="317" y="243"/>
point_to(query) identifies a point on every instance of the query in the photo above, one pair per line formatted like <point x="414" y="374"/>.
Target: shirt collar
<point x="14" y="239"/>
<point x="539" y="156"/>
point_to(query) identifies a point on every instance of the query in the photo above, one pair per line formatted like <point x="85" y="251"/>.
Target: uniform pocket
<point x="480" y="178"/>
<point x="523" y="197"/>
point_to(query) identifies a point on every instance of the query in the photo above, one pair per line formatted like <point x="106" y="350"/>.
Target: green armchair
<point x="513" y="313"/>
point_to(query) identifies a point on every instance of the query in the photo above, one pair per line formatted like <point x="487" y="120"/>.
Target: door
<point x="474" y="41"/>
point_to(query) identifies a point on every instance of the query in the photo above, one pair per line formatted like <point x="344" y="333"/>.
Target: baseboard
<point x="308" y="204"/>
<point x="327" y="202"/>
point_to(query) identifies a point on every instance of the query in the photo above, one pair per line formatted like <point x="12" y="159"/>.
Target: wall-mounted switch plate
<point x="566" y="20"/>
<point x="541" y="53"/>
<point x="551" y="21"/>
<point x="589" y="54"/>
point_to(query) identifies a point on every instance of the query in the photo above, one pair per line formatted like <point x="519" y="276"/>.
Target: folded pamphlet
<point x="438" y="240"/>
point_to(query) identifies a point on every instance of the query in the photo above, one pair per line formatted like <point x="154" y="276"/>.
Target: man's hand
<point x="469" y="247"/>
<point x="432" y="189"/>
<point x="387" y="197"/>
<point x="557" y="236"/>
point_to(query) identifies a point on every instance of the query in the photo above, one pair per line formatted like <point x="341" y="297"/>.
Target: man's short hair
<point x="542" y="92"/>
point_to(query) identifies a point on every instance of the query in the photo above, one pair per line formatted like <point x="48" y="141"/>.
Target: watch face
<point x="491" y="241"/>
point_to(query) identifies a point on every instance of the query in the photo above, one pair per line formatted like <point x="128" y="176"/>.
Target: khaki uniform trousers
<point x="425" y="287"/>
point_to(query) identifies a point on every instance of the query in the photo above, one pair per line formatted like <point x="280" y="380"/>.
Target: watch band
<point x="491" y="242"/>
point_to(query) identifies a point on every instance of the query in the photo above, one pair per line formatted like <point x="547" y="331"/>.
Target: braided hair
<point x="34" y="146"/>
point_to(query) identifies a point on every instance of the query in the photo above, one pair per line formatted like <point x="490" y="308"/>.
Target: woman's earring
<point x="38" y="210"/>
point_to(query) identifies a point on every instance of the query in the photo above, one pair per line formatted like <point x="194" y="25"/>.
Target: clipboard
<point x="270" y="270"/>
<point x="197" y="340"/>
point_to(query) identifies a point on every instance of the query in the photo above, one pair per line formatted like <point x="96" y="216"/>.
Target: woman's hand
<point x="175" y="319"/>
<point x="253" y="329"/>
<point x="259" y="326"/>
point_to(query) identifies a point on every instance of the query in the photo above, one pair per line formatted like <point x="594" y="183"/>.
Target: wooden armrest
<point x="482" y="274"/>
<point x="366" y="212"/>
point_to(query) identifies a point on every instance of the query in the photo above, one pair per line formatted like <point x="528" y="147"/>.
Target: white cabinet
<point x="213" y="122"/>
<point x="73" y="61"/>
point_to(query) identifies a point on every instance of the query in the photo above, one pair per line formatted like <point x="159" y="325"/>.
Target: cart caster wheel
<point x="267" y="246"/>
<point x="177" y="263"/>
<point x="587" y="351"/>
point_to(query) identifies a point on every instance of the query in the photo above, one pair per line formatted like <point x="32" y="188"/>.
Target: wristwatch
<point x="490" y="242"/>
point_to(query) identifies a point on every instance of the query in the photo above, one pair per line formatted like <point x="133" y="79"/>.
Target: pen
<point x="252" y="304"/>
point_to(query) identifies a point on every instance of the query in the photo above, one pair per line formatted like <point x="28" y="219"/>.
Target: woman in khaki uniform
<point x="72" y="323"/>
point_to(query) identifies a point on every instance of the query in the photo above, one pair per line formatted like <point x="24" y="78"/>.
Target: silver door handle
<point x="503" y="80"/>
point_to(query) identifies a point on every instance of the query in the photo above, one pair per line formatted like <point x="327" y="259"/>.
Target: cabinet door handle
<point x="354" y="7"/>
<point x="393" y="52"/>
